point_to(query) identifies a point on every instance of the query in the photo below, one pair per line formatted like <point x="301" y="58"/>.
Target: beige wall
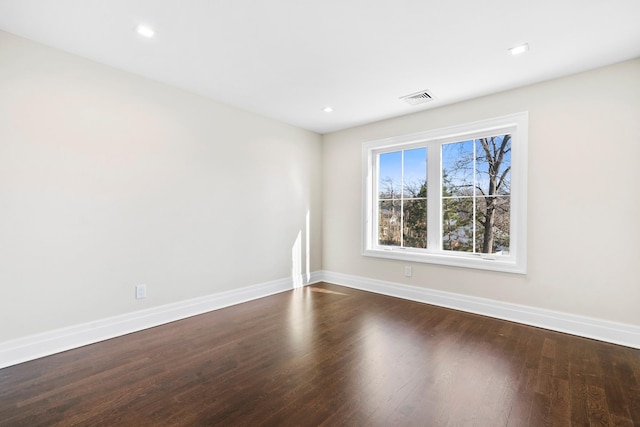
<point x="108" y="180"/>
<point x="584" y="202"/>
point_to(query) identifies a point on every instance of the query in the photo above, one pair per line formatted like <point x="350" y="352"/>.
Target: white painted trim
<point x="602" y="330"/>
<point x="51" y="342"/>
<point x="433" y="140"/>
<point x="44" y="344"/>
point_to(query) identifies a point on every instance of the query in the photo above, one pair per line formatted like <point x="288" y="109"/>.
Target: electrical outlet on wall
<point x="141" y="291"/>
<point x="407" y="271"/>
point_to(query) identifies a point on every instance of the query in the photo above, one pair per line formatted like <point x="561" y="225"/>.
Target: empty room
<point x="286" y="213"/>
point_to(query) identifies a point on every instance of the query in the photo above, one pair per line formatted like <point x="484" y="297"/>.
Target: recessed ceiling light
<point x="145" y="31"/>
<point x="327" y="109"/>
<point x="519" y="49"/>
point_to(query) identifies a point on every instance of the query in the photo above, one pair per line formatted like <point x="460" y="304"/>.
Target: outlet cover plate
<point x="141" y="291"/>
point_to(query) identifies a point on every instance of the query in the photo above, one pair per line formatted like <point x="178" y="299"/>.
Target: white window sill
<point x="482" y="262"/>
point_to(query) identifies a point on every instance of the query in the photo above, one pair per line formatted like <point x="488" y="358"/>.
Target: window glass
<point x="447" y="196"/>
<point x="476" y="176"/>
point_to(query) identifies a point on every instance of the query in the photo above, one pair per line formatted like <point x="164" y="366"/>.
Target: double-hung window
<point x="454" y="196"/>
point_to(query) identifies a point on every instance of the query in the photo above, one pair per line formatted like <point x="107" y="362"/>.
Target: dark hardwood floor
<point x="329" y="355"/>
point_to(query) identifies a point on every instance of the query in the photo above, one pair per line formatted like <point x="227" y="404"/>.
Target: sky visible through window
<point x="390" y="174"/>
<point x="445" y="196"/>
<point x="461" y="170"/>
<point x="475" y="196"/>
<point x="415" y="166"/>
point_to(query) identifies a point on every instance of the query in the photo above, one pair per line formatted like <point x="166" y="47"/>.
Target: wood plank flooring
<point x="332" y="356"/>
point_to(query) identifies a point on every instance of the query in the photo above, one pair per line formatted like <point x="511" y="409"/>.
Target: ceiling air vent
<point x="418" y="97"/>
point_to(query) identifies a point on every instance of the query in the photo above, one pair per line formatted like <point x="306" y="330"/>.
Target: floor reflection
<point x="300" y="321"/>
<point x="402" y="359"/>
<point x="324" y="291"/>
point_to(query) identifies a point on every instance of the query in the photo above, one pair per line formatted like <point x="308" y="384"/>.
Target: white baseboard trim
<point x="44" y="344"/>
<point x="47" y="343"/>
<point x="602" y="330"/>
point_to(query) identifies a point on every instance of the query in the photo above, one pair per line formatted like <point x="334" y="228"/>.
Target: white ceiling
<point x="287" y="59"/>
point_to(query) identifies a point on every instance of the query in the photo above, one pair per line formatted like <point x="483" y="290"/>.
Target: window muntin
<point x="402" y="198"/>
<point x="476" y="195"/>
<point x="474" y="179"/>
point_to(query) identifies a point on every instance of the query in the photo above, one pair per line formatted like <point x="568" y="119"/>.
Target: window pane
<point x="493" y="224"/>
<point x="390" y="175"/>
<point x="415" y="173"/>
<point x="493" y="165"/>
<point x="389" y="222"/>
<point x="457" y="224"/>
<point x="470" y="169"/>
<point x="457" y="169"/>
<point x="414" y="231"/>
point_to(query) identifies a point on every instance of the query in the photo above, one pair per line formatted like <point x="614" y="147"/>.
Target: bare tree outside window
<point x="454" y="196"/>
<point x="475" y="196"/>
<point x="402" y="198"/>
<point x="476" y="192"/>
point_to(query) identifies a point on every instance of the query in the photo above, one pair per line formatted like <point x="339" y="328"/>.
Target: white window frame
<point x="516" y="261"/>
